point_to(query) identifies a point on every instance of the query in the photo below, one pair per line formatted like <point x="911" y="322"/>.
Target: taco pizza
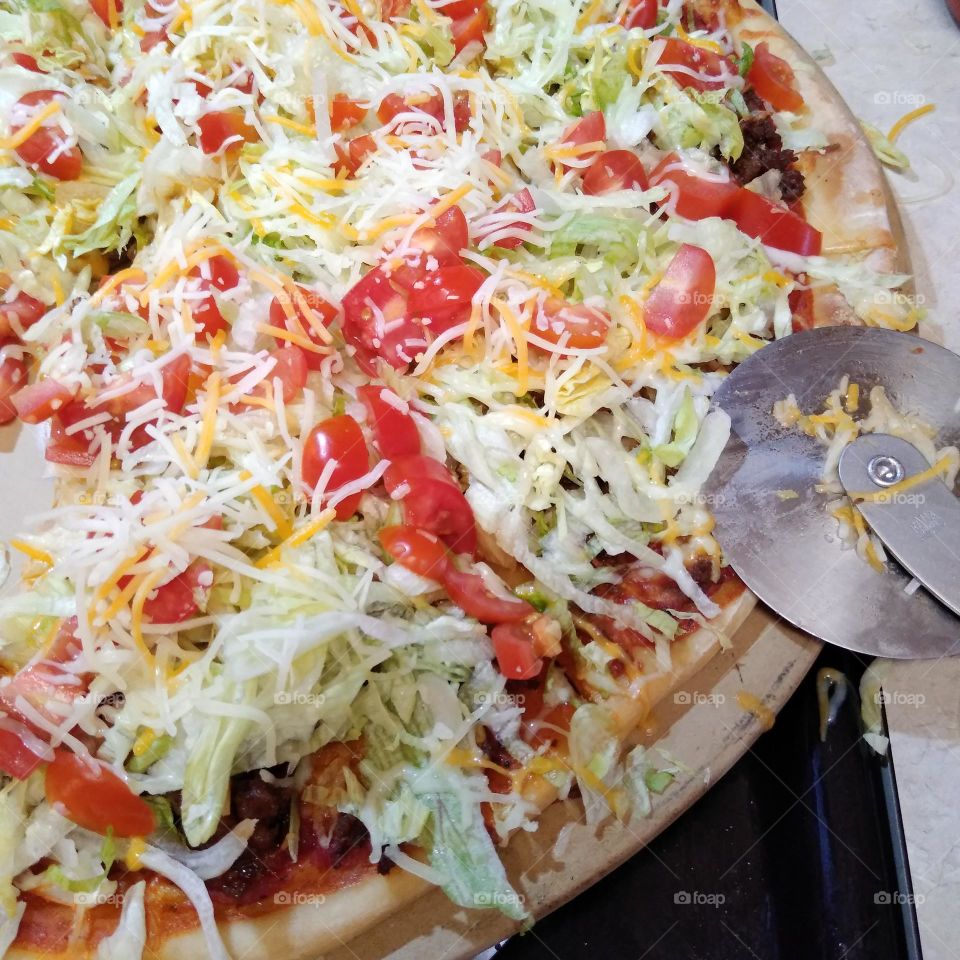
<point x="371" y="346"/>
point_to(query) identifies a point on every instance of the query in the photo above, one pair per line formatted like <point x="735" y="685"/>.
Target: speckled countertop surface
<point x="888" y="57"/>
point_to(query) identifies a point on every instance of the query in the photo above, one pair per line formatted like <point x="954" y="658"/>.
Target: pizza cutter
<point x="773" y="524"/>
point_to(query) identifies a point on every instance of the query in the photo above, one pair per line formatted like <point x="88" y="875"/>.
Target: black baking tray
<point x="796" y="853"/>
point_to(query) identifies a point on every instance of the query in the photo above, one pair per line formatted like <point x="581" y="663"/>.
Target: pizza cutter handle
<point x="909" y="508"/>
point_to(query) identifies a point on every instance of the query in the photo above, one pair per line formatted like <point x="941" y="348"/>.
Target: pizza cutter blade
<point x="773" y="525"/>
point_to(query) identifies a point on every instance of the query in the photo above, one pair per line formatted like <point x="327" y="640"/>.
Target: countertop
<point x="886" y="58"/>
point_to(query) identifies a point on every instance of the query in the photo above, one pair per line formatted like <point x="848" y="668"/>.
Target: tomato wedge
<point x="444" y="297"/>
<point x="376" y="322"/>
<point x="696" y="197"/>
<point x="218" y="273"/>
<point x="345" y="112"/>
<point x="290" y="369"/>
<point x="394" y="431"/>
<point x="520" y="202"/>
<point x="337" y="439"/>
<point x="16" y="758"/>
<point x="471" y="28"/>
<point x="773" y="225"/>
<point x="351" y="156"/>
<point x="13" y="375"/>
<point x="44" y="148"/>
<point x="773" y="78"/>
<point x="585" y="327"/>
<point x="224" y="130"/>
<point x="640" y="13"/>
<point x="471" y="594"/>
<point x="70" y="450"/>
<point x="26" y="60"/>
<point x="432" y="500"/>
<point x="182" y="597"/>
<point x="591" y="128"/>
<point x="513" y="648"/>
<point x="94" y="797"/>
<point x="39" y="401"/>
<point x="108" y="11"/>
<point x="707" y="70"/>
<point x="303" y="323"/>
<point x="681" y="301"/>
<point x="614" y="170"/>
<point x="447" y="237"/>
<point x="420" y="552"/>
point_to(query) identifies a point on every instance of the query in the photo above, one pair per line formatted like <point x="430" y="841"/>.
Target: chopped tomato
<point x="418" y="551"/>
<point x="614" y="170"/>
<point x="584" y="327"/>
<point x="351" y="156"/>
<point x="345" y="112"/>
<point x="224" y="130"/>
<point x="433" y="501"/>
<point x="447" y="237"/>
<point x="443" y="298"/>
<point x="682" y="299"/>
<point x="471" y="594"/>
<point x="640" y="13"/>
<point x="393" y="105"/>
<point x="390" y="9"/>
<point x="513" y="647"/>
<point x="458" y="9"/>
<point x="16" y="758"/>
<point x="462" y="111"/>
<point x="206" y="313"/>
<point x="376" y="322"/>
<point x="44" y="148"/>
<point x="470" y="29"/>
<point x="39" y="401"/>
<point x="26" y="61"/>
<point x="13" y="375"/>
<point x="696" y="197"/>
<point x="341" y="439"/>
<point x="542" y="730"/>
<point x="290" y="369"/>
<point x="152" y="38"/>
<point x="707" y="70"/>
<point x="773" y="78"/>
<point x="182" y="597"/>
<point x="774" y="225"/>
<point x="221" y="271"/>
<point x="394" y="431"/>
<point x="520" y="202"/>
<point x="71" y="450"/>
<point x="591" y="128"/>
<point x="108" y="11"/>
<point x="94" y="797"/>
<point x="303" y="323"/>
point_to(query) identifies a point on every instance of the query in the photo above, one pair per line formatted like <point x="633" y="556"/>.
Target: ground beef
<point x="348" y="832"/>
<point x="762" y="151"/>
<point x="495" y="751"/>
